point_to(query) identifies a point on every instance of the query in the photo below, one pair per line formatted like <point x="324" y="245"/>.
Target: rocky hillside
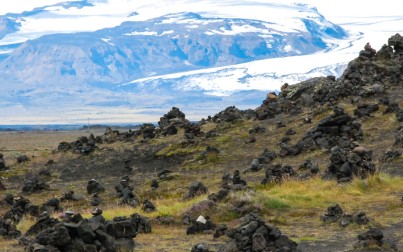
<point x="316" y="167"/>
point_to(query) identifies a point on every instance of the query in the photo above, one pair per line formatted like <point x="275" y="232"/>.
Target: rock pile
<point x="277" y="173"/>
<point x="171" y="121"/>
<point x="148" y="131"/>
<point x="154" y="184"/>
<point x="196" y="188"/>
<point x="44" y="221"/>
<point x="2" y="186"/>
<point x="224" y="191"/>
<point x="125" y="192"/>
<point x="22" y="159"/>
<point x="390" y="155"/>
<point x="255" y="235"/>
<point x="84" y="145"/>
<point x="94" y="186"/>
<point x="33" y="183"/>
<point x="232" y="114"/>
<point x="308" y="165"/>
<point x="399" y="137"/>
<point x="373" y="239"/>
<point x="148" y="206"/>
<point x="69" y="196"/>
<point x="365" y="110"/>
<point x="2" y="163"/>
<point x="165" y="174"/>
<point x="111" y="136"/>
<point x="338" y="129"/>
<point x="335" y="214"/>
<point x="19" y="207"/>
<point x="237" y="181"/>
<point x="200" y="225"/>
<point x="78" y="234"/>
<point x="8" y="229"/>
<point x="346" y="164"/>
<point x="265" y="158"/>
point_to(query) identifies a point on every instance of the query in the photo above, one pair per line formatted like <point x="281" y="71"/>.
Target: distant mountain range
<point x="169" y="44"/>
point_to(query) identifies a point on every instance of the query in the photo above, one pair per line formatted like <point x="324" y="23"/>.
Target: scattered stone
<point x="200" y="247"/>
<point x="220" y="230"/>
<point x="281" y="125"/>
<point x="50" y="162"/>
<point x="165" y="220"/>
<point x="307" y="120"/>
<point x="391" y="155"/>
<point x="165" y="174"/>
<point x="290" y="132"/>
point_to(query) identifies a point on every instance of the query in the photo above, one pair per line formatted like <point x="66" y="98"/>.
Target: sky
<point x="329" y="8"/>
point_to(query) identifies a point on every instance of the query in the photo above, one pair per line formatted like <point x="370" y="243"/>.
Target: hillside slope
<point x="318" y="143"/>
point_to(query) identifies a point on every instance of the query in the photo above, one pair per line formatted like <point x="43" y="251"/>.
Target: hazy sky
<point x="327" y="7"/>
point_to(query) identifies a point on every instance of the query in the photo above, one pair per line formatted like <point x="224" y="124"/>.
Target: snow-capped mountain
<point x="178" y="42"/>
<point x="127" y="61"/>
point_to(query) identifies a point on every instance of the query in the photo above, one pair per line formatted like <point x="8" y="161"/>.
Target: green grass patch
<point x="273" y="203"/>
